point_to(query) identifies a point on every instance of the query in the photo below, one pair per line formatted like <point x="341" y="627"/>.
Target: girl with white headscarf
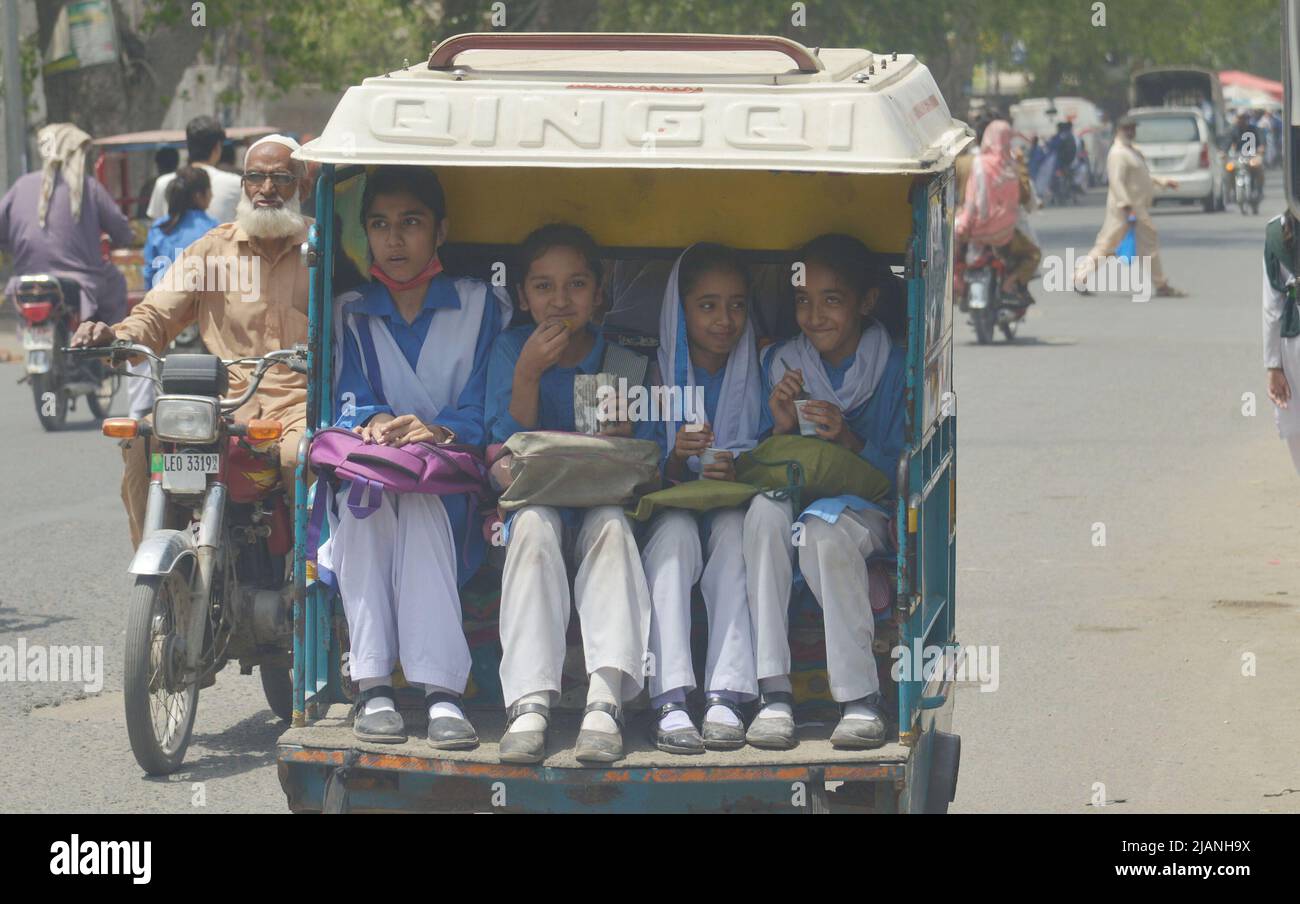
<point x="707" y="354"/>
<point x="855" y="375"/>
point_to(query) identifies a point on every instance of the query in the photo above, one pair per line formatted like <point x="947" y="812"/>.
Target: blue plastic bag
<point x="1127" y="250"/>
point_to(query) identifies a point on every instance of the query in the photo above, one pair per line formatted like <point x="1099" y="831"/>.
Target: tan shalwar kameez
<point x="232" y="326"/>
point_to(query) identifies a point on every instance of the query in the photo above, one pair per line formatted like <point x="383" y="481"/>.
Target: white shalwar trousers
<point x="674" y="561"/>
<point x="609" y="590"/>
<point x="396" y="571"/>
<point x="833" y="560"/>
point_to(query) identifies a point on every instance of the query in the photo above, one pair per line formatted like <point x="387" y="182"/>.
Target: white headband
<point x="277" y="139"/>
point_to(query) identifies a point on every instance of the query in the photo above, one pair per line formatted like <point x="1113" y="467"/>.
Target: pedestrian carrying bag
<point x="339" y="456"/>
<point x="552" y="467"/>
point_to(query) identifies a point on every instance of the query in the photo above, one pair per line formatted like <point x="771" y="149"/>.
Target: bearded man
<point x="246" y="287"/>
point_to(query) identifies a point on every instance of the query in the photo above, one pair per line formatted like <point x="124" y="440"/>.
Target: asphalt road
<point x="1120" y="666"/>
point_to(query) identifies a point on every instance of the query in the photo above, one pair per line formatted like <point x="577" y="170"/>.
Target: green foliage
<point x="335" y="43"/>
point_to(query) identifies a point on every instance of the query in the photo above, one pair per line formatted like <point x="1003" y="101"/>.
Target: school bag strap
<point x="369" y="357"/>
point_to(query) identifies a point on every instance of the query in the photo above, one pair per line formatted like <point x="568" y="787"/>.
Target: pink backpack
<point x="338" y="455"/>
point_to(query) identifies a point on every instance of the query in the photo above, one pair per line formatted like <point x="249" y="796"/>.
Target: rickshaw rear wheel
<point x="160" y="708"/>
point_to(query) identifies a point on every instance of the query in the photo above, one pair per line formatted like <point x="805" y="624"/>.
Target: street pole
<point x="15" y="108"/>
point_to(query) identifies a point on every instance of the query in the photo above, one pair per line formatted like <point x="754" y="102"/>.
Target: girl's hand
<point x="409" y="429"/>
<point x="369" y="431"/>
<point x="543" y="349"/>
<point x="691" y="442"/>
<point x="723" y="468"/>
<point x="831" y="425"/>
<point x="781" y="402"/>
<point x="1279" y="390"/>
<point x="616" y="428"/>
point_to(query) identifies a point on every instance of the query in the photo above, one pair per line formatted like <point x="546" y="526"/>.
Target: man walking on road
<point x="1132" y="190"/>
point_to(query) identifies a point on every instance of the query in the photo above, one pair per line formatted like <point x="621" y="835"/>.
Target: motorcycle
<point x="213" y="573"/>
<point x="977" y="283"/>
<point x="1063" y="188"/>
<point x="1248" y="182"/>
<point x="49" y="310"/>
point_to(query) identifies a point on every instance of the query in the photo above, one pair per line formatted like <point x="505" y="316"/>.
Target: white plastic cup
<point x="710" y="456"/>
<point x="806" y="427"/>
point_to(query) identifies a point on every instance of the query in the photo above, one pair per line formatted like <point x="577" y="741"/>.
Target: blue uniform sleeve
<point x="466" y="420"/>
<point x="500" y="380"/>
<point x="357" y="402"/>
<point x="884" y="435"/>
<point x="151" y="251"/>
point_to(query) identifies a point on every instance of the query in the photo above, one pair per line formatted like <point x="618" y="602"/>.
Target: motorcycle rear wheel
<point x="159" y="716"/>
<point x="277" y="685"/>
<point x="984" y="320"/>
<point x="51" y="401"/>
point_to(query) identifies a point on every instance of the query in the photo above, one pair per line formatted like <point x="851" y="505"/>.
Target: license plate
<point x="40" y="336"/>
<point x="187" y="472"/>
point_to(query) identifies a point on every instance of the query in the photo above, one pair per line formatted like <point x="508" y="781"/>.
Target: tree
<point x="131" y="94"/>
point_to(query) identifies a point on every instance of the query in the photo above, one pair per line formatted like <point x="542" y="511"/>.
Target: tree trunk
<point x="129" y="95"/>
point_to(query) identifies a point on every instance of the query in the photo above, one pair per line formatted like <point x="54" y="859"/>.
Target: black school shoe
<point x="448" y="732"/>
<point x="685" y="741"/>
<point x="860" y="733"/>
<point x="600" y="746"/>
<point x="773" y="732"/>
<point x="524" y="747"/>
<point x="720" y="735"/>
<point x="384" y="727"/>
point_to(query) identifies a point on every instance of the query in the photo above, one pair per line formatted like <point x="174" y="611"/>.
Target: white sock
<point x="677" y="719"/>
<point x="604" y="688"/>
<point x="776" y="710"/>
<point x="722" y="715"/>
<point x="858" y="711"/>
<point x="532" y="721"/>
<point x="376" y="704"/>
<point x="443" y="710"/>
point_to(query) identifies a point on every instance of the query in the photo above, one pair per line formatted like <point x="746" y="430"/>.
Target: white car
<point x="1179" y="145"/>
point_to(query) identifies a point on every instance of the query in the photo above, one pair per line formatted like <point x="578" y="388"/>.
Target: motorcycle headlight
<point x="185" y="419"/>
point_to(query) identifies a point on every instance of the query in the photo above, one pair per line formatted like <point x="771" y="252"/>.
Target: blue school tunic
<point x="465" y="419"/>
<point x="554" y="396"/>
<point x="160" y="247"/>
<point x="712" y="385"/>
<point x="878" y="423"/>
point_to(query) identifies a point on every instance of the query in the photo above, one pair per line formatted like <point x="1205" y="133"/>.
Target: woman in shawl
<point x="855" y="376"/>
<point x="991" y="208"/>
<point x="707" y="352"/>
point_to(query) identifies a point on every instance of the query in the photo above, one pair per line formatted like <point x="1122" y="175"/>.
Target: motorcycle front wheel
<point x="159" y="707"/>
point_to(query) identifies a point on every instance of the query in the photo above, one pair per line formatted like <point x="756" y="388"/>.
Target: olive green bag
<point x="702" y="495"/>
<point x="800" y="468"/>
<point x="817" y="467"/>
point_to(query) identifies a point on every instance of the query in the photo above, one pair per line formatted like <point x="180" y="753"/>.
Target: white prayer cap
<point x="277" y="139"/>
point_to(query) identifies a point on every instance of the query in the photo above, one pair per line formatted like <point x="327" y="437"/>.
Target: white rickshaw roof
<point x="856" y="112"/>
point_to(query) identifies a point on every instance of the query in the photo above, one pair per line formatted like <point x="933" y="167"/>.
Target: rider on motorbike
<point x="990" y="213"/>
<point x="261" y="307"/>
<point x="1248" y="139"/>
<point x="51" y="222"/>
<point x="1064" y="145"/>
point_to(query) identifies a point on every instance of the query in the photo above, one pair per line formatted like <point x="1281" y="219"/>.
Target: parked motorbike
<point x="977" y="283"/>
<point x="49" y="311"/>
<point x="213" y="573"/>
<point x="1248" y="182"/>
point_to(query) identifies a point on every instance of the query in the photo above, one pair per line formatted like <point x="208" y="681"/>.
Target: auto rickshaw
<point x="651" y="143"/>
